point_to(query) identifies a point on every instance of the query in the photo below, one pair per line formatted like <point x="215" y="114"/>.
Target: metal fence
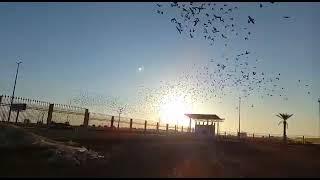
<point x="38" y="112"/>
<point x="265" y="137"/>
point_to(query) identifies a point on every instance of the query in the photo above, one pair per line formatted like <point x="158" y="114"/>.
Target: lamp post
<point x="120" y="112"/>
<point x="319" y="115"/>
<point x="14" y="88"/>
<point x="239" y="116"/>
<point x="69" y="103"/>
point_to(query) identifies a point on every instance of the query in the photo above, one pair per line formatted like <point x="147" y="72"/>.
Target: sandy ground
<point x="127" y="155"/>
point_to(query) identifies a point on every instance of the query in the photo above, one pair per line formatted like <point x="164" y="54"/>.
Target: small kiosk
<point x="205" y="124"/>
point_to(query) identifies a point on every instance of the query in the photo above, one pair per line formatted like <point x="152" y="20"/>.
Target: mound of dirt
<point x="14" y="137"/>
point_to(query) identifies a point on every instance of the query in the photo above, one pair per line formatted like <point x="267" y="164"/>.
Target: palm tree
<point x="284" y="117"/>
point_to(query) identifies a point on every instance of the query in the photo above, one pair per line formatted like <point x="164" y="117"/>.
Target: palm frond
<point x="290" y="115"/>
<point x="284" y="116"/>
<point x="279" y="116"/>
<point x="280" y="123"/>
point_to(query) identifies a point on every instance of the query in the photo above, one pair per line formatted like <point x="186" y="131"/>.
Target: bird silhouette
<point x="195" y="22"/>
<point x="173" y="20"/>
<point x="179" y="30"/>
<point x="250" y="20"/>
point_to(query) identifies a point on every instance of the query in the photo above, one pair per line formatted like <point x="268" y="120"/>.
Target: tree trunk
<point x="284" y="132"/>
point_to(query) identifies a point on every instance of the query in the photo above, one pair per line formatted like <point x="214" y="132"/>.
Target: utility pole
<point x="120" y="112"/>
<point x="69" y="103"/>
<point x="319" y="115"/>
<point x="14" y="88"/>
<point x="239" y="116"/>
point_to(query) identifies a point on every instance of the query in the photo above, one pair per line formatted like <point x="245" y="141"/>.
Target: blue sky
<point x="67" y="48"/>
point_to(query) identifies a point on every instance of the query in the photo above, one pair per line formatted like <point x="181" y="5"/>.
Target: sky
<point x="69" y="48"/>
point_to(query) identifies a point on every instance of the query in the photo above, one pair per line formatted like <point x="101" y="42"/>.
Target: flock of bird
<point x="102" y="103"/>
<point x="213" y="20"/>
<point x="237" y="73"/>
<point x="218" y="79"/>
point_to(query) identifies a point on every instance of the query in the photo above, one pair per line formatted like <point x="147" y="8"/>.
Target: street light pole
<point x="239" y="115"/>
<point x="319" y="115"/>
<point x="14" y="88"/>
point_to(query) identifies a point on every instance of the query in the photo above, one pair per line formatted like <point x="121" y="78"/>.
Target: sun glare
<point x="172" y="111"/>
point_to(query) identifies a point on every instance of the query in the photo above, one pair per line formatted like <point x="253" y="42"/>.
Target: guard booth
<point x="205" y="124"/>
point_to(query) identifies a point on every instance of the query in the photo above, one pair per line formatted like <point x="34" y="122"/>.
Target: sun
<point x="172" y="111"/>
<point x="140" y="68"/>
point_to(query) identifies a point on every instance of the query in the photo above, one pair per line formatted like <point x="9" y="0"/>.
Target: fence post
<point x="17" y="116"/>
<point x="157" y="127"/>
<point x="175" y="128"/>
<point x="190" y="125"/>
<point x="50" y="111"/>
<point x="145" y="126"/>
<point x="130" y="124"/>
<point x="302" y="139"/>
<point x="86" y="118"/>
<point x="269" y="136"/>
<point x="1" y="107"/>
<point x="167" y="128"/>
<point x="112" y="121"/>
<point x="225" y="134"/>
<point x="253" y="135"/>
<point x="181" y="128"/>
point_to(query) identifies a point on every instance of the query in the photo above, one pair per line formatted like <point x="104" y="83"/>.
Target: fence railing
<point x="265" y="137"/>
<point x="46" y="112"/>
<point x="38" y="111"/>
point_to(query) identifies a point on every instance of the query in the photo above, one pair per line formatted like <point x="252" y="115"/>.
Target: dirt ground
<point x="154" y="156"/>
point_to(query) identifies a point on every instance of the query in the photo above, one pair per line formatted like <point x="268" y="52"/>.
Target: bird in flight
<point x="179" y="30"/>
<point x="250" y="20"/>
<point x="174" y="20"/>
<point x="196" y="21"/>
<point x="159" y="12"/>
